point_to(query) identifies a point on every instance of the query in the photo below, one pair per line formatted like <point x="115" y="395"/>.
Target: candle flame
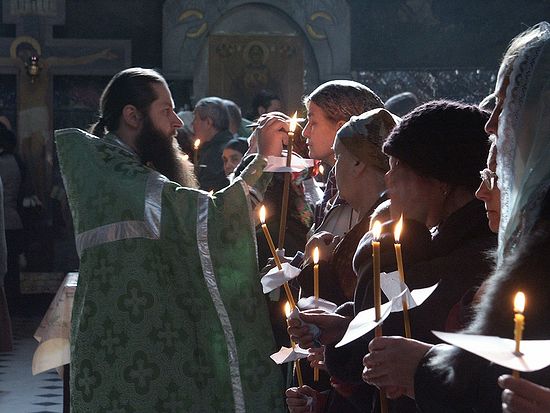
<point x="519" y="302"/>
<point x="316" y="255"/>
<point x="376" y="230"/>
<point x="262" y="214"/>
<point x="321" y="169"/>
<point x="398" y="229"/>
<point x="293" y="122"/>
<point x="197" y="144"/>
<point x="287" y="309"/>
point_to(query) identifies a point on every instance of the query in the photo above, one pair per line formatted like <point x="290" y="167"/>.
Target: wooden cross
<point x="35" y="57"/>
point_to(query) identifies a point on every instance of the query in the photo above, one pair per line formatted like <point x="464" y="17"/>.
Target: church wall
<point x="137" y="20"/>
<point x="436" y="49"/>
<point x="412" y="34"/>
<point x="389" y="39"/>
<point x="389" y="34"/>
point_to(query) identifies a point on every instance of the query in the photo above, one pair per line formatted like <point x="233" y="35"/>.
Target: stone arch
<point x="324" y="27"/>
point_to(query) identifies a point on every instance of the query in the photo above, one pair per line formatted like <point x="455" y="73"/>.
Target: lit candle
<point x="275" y="255"/>
<point x="316" y="294"/>
<point x="316" y="274"/>
<point x="196" y="155"/>
<point x="519" y="322"/>
<point x="376" y="231"/>
<point x="321" y="169"/>
<point x="297" y="362"/>
<point x="400" y="268"/>
<point x="286" y="185"/>
<point x="292" y="125"/>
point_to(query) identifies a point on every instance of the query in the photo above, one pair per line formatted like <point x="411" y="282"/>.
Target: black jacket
<point x="452" y="380"/>
<point x="455" y="256"/>
<point x="210" y="173"/>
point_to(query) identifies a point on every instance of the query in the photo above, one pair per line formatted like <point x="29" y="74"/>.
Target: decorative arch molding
<point x="324" y="27"/>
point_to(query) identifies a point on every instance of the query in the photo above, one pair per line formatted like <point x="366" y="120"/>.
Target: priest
<point x="168" y="314"/>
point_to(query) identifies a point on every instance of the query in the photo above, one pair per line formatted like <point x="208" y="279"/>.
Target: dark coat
<point x="337" y="279"/>
<point x="452" y="380"/>
<point x="454" y="255"/>
<point x="337" y="282"/>
<point x="210" y="173"/>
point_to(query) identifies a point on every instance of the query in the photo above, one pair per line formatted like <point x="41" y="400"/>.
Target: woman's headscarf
<point x="523" y="144"/>
<point x="364" y="135"/>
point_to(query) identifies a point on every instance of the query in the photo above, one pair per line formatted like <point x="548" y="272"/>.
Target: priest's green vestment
<point x="168" y="314"/>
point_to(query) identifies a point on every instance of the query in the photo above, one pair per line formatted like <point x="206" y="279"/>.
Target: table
<point x="53" y="334"/>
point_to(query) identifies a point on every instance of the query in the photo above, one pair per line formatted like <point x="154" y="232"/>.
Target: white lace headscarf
<point x="523" y="143"/>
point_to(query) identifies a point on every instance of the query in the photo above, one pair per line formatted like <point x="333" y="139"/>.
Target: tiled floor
<point x="20" y="391"/>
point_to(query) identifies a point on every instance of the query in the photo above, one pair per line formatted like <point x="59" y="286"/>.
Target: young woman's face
<point x="319" y="133"/>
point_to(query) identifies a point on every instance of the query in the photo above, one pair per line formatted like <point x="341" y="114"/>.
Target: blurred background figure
<point x="235" y="117"/>
<point x="264" y="102"/>
<point x="238" y="126"/>
<point x="186" y="134"/>
<point x="6" y="339"/>
<point x="12" y="173"/>
<point x="211" y="127"/>
<point x="233" y="153"/>
<point x="402" y="103"/>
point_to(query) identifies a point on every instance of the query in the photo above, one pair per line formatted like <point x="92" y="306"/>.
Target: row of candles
<point x="376" y="230"/>
<point x="519" y="302"/>
<point x="375" y="245"/>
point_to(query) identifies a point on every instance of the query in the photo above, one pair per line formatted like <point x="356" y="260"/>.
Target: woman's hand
<point x="523" y="396"/>
<point x="325" y="241"/>
<point x="316" y="358"/>
<point x="332" y="327"/>
<point x="392" y="362"/>
<point x="303" y="400"/>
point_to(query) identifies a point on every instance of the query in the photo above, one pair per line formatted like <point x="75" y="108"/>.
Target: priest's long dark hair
<point x="128" y="87"/>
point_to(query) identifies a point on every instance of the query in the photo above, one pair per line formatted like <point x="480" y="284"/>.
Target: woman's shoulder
<point x="524" y="269"/>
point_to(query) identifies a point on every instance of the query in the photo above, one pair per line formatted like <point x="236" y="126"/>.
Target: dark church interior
<point x="57" y="57"/>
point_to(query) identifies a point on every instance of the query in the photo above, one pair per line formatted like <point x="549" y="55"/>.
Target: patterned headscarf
<point x="364" y="135"/>
<point x="523" y="143"/>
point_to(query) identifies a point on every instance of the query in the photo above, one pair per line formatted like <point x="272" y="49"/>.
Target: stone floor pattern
<point x="20" y="391"/>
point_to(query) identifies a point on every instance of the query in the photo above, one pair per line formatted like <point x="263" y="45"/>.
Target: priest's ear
<point x="132" y="116"/>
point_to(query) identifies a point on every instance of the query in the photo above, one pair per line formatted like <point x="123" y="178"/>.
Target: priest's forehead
<point x="164" y="97"/>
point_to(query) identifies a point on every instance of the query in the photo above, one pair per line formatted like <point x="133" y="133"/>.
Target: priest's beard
<point x="162" y="153"/>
